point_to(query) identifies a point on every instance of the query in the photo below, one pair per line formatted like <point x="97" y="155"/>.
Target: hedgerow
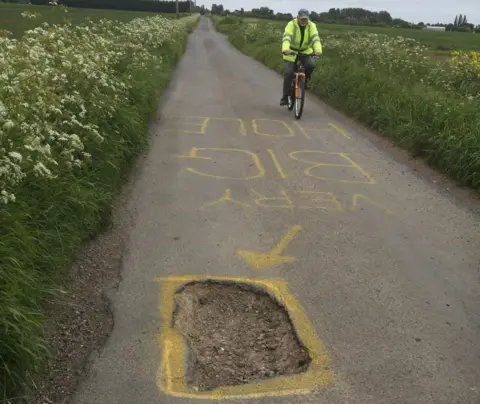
<point x="75" y="106"/>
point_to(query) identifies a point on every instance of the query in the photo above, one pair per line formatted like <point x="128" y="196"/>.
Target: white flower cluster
<point x="57" y="81"/>
<point x="252" y="31"/>
<point x="381" y="52"/>
<point x="410" y="60"/>
<point x="29" y="15"/>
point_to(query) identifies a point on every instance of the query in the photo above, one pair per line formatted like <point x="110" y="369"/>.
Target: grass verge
<point x="52" y="217"/>
<point x="434" y="121"/>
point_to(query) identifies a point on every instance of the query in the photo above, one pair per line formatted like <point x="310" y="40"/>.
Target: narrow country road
<point x="385" y="267"/>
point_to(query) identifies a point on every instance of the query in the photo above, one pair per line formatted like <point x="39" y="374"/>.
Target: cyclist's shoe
<point x="284" y="100"/>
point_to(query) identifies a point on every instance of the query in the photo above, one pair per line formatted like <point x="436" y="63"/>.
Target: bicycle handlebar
<point x="296" y="54"/>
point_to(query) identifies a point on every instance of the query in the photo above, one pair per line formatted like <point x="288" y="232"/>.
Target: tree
<point x="263" y="12"/>
<point x="385" y="17"/>
<point x="284" y="16"/>
<point x="461" y="24"/>
<point x="217" y="8"/>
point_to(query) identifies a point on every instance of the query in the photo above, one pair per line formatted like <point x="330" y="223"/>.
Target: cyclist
<point x="300" y="36"/>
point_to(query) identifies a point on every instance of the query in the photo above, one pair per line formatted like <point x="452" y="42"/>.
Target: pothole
<point x="236" y="334"/>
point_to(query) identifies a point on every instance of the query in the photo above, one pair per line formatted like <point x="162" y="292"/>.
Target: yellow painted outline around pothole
<point x="171" y="377"/>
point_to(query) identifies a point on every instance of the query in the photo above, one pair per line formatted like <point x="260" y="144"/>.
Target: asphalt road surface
<point x="384" y="264"/>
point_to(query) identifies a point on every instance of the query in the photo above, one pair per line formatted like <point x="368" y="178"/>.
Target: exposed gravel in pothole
<point x="237" y="334"/>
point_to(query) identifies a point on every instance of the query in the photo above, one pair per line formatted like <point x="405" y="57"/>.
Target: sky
<point x="428" y="11"/>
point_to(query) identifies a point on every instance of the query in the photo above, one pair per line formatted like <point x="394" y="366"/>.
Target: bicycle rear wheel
<point x="300" y="98"/>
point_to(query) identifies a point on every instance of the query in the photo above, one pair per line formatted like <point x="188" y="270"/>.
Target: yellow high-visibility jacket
<point x="292" y="37"/>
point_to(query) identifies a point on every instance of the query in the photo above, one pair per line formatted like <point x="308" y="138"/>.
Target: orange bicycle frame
<point x="297" y="75"/>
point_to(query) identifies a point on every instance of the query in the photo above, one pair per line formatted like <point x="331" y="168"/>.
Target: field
<point x="391" y="84"/>
<point x="437" y="41"/>
<point x="75" y="105"/>
<point x="11" y="19"/>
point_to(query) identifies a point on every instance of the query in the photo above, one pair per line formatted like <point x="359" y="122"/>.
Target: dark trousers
<point x="309" y="64"/>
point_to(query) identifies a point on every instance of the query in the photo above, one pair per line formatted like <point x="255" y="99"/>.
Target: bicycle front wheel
<point x="291" y="97"/>
<point x="300" y="98"/>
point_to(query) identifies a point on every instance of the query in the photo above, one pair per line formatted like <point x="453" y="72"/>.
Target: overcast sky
<point x="429" y="11"/>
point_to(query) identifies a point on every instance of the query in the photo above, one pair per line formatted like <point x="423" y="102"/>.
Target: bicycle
<point x="296" y="98"/>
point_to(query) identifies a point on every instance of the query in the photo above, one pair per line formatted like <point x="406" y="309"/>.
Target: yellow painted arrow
<point x="266" y="260"/>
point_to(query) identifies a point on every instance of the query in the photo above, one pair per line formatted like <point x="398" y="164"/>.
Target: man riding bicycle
<point x="300" y="36"/>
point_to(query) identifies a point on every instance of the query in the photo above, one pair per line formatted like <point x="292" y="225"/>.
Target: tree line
<point x="348" y="16"/>
<point x="461" y="24"/>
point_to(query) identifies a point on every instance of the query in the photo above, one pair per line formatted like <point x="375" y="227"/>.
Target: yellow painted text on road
<point x="227" y="197"/>
<point x="276" y="163"/>
<point x="273" y="258"/>
<point x="322" y="200"/>
<point x="172" y="372"/>
<point x="201" y="125"/>
<point x="195" y="121"/>
<point x="282" y="201"/>
<point x="253" y="157"/>
<point x="303" y="199"/>
<point x="340" y="130"/>
<point x="325" y="166"/>
<point x="357" y="197"/>
<point x="202" y="122"/>
<point x="308" y="132"/>
<point x="288" y="131"/>
<point x="354" y="167"/>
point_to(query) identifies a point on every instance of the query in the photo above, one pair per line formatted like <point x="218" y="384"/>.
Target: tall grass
<point x="53" y="215"/>
<point x="391" y="85"/>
